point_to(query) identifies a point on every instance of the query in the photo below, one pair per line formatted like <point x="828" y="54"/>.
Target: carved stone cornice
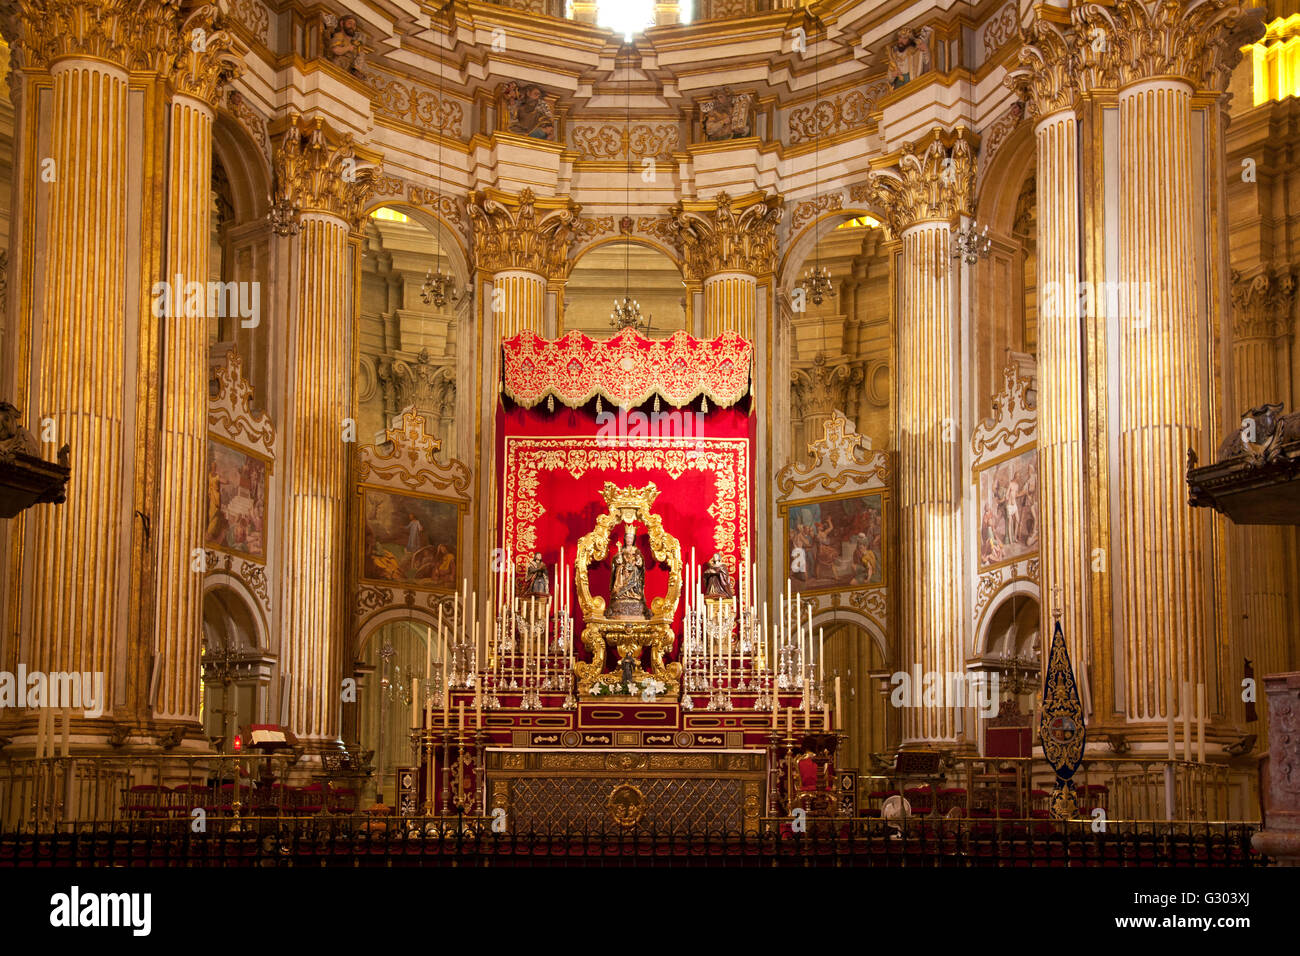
<point x="1134" y="40"/>
<point x="1261" y="304"/>
<point x="206" y="60"/>
<point x="727" y="239"/>
<point x="317" y="171"/>
<point x="936" y="184"/>
<point x="510" y="234"/>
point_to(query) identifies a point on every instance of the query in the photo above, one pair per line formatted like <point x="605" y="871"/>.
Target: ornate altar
<point x="625" y="623"/>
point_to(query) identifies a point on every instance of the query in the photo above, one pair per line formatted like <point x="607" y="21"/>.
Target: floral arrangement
<point x="648" y="690"/>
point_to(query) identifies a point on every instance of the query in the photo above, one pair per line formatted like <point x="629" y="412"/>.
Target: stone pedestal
<point x="1280" y="838"/>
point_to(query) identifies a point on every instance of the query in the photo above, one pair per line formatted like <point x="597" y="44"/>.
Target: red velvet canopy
<point x="626" y="370"/>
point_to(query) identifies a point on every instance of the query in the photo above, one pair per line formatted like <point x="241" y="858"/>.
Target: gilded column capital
<point x="125" y="33"/>
<point x="1133" y="40"/>
<point x="512" y="233"/>
<point x="318" y="171"/>
<point x="1261" y="304"/>
<point x="935" y="184"/>
<point x="725" y="238"/>
<point x="206" y="58"/>
<point x="1046" y="78"/>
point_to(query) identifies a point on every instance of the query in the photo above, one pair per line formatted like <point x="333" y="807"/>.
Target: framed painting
<point x="409" y="540"/>
<point x="1006" y="492"/>
<point x="236" y="500"/>
<point x="836" y="543"/>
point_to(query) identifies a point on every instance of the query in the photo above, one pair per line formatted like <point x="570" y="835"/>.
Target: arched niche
<point x="1003" y="294"/>
<point x="411" y="352"/>
<point x="1011" y="645"/>
<point x="237" y="668"/>
<point x="240" y="251"/>
<point x="606" y="271"/>
<point x="856" y="653"/>
<point x="839" y="350"/>
<point x="391" y="652"/>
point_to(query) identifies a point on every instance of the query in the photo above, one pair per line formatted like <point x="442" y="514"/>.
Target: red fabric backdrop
<point x="551" y="467"/>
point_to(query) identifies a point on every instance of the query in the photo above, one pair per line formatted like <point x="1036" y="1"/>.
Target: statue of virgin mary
<point x="627" y="589"/>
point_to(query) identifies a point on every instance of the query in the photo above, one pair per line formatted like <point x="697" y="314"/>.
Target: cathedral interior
<point x="766" y="421"/>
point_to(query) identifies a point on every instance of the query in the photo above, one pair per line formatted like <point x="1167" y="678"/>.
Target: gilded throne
<point x="625" y="622"/>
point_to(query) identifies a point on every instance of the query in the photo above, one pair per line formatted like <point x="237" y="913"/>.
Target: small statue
<point x="717" y="581"/>
<point x="627" y="590"/>
<point x="538" y="584"/>
<point x="908" y="56"/>
<point x="627" y="665"/>
<point x="344" y="43"/>
<point x="14" y="438"/>
<point x="726" y="116"/>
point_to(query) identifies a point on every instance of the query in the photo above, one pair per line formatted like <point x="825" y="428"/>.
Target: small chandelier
<point x="626" y="314"/>
<point x="970" y="246"/>
<point x="438" y="289"/>
<point x="817" y="283"/>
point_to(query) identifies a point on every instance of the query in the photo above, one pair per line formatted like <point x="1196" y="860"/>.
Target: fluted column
<point x="729" y="304"/>
<point x="1163" y="390"/>
<point x="320" y="188"/>
<point x="180" y="513"/>
<point x="922" y="198"/>
<point x="727" y="248"/>
<point x="1263" y="556"/>
<point x="520" y="241"/>
<point x="1047" y="88"/>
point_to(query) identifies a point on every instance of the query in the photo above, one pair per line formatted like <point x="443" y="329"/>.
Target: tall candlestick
<point x="1169" y="715"/>
<point x="1200" y="722"/>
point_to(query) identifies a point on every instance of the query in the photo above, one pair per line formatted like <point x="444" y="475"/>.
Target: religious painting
<point x="411" y="540"/>
<point x="525" y="111"/>
<point x="836" y="543"/>
<point x="236" y="493"/>
<point x="1007" y="494"/>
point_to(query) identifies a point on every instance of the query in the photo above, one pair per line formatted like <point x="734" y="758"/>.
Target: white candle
<point x="821" y="658"/>
<point x="1200" y="722"/>
<point x="1187" y="720"/>
<point x="1169" y="715"/>
<point x="415" y="702"/>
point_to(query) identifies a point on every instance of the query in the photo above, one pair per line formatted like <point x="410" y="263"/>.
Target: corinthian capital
<point x="509" y="233"/>
<point x="316" y="171"/>
<point x="1261" y="304"/>
<point x="205" y="60"/>
<point x="937" y="183"/>
<point x="727" y="239"/>
<point x="1199" y="41"/>
<point x="127" y="33"/>
<point x="1046" y="79"/>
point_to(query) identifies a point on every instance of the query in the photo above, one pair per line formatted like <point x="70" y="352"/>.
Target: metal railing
<point x="358" y="840"/>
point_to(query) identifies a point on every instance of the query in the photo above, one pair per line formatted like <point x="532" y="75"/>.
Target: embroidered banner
<point x="551" y="469"/>
<point x="626" y="370"/>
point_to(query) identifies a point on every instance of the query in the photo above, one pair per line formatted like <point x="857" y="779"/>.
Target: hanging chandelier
<point x="626" y="314"/>
<point x="971" y="246"/>
<point x="439" y="288"/>
<point x="817" y="283"/>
